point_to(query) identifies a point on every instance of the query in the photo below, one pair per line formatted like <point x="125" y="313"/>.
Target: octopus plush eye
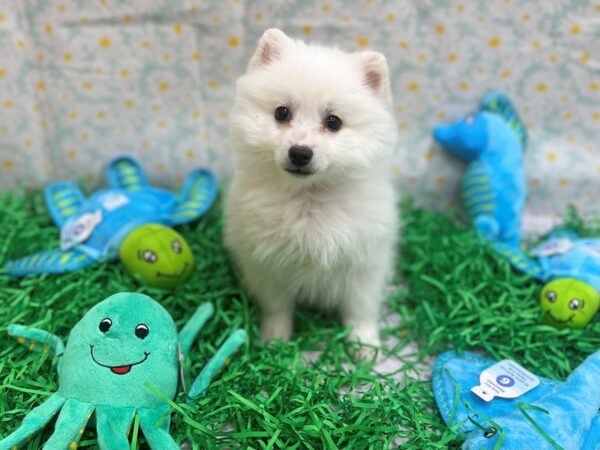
<point x="142" y="331"/>
<point x="574" y="304"/>
<point x="491" y="431"/>
<point x="470" y="120"/>
<point x="149" y="256"/>
<point x="551" y="296"/>
<point x="105" y="325"/>
<point x="176" y="246"/>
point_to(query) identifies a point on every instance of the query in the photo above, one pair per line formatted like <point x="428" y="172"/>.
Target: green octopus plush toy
<point x="119" y="349"/>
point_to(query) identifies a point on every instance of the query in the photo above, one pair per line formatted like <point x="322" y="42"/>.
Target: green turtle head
<point x="567" y="302"/>
<point x="158" y="255"/>
<point x="119" y="345"/>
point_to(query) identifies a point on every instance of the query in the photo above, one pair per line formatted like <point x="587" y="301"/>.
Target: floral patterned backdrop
<point x="82" y="81"/>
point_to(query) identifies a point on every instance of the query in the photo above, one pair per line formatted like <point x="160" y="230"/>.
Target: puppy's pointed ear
<point x="375" y="74"/>
<point x="269" y="49"/>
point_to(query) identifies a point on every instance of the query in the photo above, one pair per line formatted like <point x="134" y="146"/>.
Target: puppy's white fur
<point x="326" y="239"/>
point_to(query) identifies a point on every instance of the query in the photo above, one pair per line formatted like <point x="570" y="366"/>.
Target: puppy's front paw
<point x="276" y="326"/>
<point x="367" y="337"/>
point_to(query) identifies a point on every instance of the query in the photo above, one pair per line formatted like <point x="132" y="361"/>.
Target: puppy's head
<point x="312" y="114"/>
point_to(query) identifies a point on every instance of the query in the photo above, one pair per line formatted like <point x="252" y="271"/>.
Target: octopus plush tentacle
<point x="113" y="426"/>
<point x="33" y="422"/>
<point x="216" y="363"/>
<point x="193" y="326"/>
<point x="155" y="425"/>
<point x="70" y="424"/>
<point x="36" y="339"/>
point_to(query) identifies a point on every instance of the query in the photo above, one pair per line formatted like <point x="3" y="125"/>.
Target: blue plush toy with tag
<point x="93" y="229"/>
<point x="491" y="142"/>
<point x="570" y="265"/>
<point x="521" y="411"/>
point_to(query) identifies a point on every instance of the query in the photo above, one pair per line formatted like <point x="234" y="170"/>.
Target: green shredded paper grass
<point x="461" y="295"/>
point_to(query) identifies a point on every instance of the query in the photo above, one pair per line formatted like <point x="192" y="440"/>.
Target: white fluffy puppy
<point x="311" y="214"/>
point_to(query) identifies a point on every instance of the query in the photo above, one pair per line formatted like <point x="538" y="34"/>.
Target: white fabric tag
<point x="114" y="201"/>
<point x="505" y="379"/>
<point x="553" y="247"/>
<point x="77" y="231"/>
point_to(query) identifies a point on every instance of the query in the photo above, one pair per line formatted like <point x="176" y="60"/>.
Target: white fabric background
<point x="82" y="81"/>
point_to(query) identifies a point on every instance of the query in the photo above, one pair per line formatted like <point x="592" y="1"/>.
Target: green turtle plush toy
<point x="118" y="355"/>
<point x="157" y="256"/>
<point x="567" y="302"/>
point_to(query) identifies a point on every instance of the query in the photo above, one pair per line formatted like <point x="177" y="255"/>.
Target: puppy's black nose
<point x="299" y="155"/>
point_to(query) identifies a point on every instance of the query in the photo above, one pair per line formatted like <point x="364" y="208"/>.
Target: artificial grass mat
<point x="461" y="296"/>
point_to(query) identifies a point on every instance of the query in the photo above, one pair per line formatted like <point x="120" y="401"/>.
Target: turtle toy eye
<point x="149" y="256"/>
<point x="142" y="331"/>
<point x="491" y="431"/>
<point x="176" y="246"/>
<point x="470" y="120"/>
<point x="574" y="304"/>
<point x="551" y="296"/>
<point x="105" y="325"/>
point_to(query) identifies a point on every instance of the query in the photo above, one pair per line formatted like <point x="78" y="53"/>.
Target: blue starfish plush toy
<point x="93" y="229"/>
<point x="554" y="415"/>
<point x="491" y="141"/>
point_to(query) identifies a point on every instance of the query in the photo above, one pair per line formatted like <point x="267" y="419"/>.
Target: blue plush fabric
<point x="111" y="214"/>
<point x="567" y="412"/>
<point x="491" y="141"/>
<point x="562" y="255"/>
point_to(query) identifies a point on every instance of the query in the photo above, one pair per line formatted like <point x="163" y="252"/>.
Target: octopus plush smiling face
<point x="122" y="343"/>
<point x="158" y="255"/>
<point x="567" y="302"/>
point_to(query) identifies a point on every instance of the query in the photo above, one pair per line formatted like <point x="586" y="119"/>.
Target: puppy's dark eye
<point x="282" y="114"/>
<point x="142" y="331"/>
<point x="333" y="123"/>
<point x="105" y="325"/>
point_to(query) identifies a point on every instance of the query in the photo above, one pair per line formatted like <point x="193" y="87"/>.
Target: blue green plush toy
<point x="571" y="267"/>
<point x="93" y="229"/>
<point x="554" y="415"/>
<point x="491" y="142"/>
<point x="123" y="351"/>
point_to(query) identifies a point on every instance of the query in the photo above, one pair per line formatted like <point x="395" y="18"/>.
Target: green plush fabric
<point x="121" y="358"/>
<point x="111" y="367"/>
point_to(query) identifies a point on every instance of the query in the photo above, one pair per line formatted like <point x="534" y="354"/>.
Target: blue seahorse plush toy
<point x="491" y="141"/>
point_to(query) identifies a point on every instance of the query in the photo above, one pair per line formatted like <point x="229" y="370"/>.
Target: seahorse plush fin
<point x="36" y="339"/>
<point x="497" y="102"/>
<point x="48" y="261"/>
<point x="125" y="173"/>
<point x="63" y="200"/>
<point x="197" y="195"/>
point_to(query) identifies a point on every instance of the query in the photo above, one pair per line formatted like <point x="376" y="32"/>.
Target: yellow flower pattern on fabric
<point x="157" y="79"/>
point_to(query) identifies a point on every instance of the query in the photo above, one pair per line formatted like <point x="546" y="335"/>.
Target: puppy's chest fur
<point x="317" y="231"/>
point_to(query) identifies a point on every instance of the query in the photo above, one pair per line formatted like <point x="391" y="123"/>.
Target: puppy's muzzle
<point x="299" y="158"/>
<point x="299" y="155"/>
